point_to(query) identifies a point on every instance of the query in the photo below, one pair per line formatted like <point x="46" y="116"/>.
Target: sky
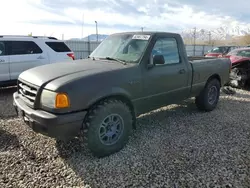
<point x="76" y="18"/>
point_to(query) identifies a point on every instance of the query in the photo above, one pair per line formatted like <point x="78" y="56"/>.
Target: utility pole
<point x="89" y="45"/>
<point x="209" y="37"/>
<point x="62" y="36"/>
<point x="194" y="35"/>
<point x="82" y="24"/>
<point x="96" y="31"/>
<point x="141" y="29"/>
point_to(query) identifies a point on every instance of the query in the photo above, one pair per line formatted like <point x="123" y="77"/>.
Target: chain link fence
<point x="84" y="48"/>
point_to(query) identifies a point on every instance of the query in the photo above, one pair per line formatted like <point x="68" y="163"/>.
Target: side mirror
<point x="158" y="60"/>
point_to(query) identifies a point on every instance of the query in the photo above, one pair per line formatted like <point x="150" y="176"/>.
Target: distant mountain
<point x="225" y="32"/>
<point x="92" y="37"/>
<point x="221" y="33"/>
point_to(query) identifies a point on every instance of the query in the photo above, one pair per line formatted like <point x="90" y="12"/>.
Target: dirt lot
<point x="176" y="146"/>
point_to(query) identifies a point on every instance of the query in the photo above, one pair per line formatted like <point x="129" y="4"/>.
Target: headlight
<point x="54" y="100"/>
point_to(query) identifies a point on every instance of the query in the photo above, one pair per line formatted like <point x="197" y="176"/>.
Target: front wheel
<point x="108" y="127"/>
<point x="209" y="97"/>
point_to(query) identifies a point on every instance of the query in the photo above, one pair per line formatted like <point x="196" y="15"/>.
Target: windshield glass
<point x="243" y="53"/>
<point x="125" y="47"/>
<point x="233" y="52"/>
<point x="218" y="50"/>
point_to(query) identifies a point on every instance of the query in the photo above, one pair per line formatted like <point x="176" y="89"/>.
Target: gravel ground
<point x="175" y="146"/>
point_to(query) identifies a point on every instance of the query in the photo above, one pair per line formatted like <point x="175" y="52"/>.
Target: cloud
<point x="222" y="7"/>
<point x="64" y="16"/>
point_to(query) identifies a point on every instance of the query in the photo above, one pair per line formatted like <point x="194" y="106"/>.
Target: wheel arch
<point x="118" y="96"/>
<point x="214" y="76"/>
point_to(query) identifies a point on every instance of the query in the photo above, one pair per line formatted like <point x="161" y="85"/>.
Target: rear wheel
<point x="108" y="127"/>
<point x="209" y="97"/>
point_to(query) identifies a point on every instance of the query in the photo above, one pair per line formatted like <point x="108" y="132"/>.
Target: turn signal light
<point x="62" y="100"/>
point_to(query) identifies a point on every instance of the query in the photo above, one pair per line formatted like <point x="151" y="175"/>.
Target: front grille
<point x="27" y="92"/>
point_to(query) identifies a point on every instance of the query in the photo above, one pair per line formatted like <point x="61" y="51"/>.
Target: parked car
<point x="240" y="74"/>
<point x="102" y="95"/>
<point x="20" y="53"/>
<point x="220" y="50"/>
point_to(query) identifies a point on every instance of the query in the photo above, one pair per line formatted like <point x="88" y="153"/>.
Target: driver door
<point x="168" y="82"/>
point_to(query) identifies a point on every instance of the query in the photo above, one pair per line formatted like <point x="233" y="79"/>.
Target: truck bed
<point x="203" y="68"/>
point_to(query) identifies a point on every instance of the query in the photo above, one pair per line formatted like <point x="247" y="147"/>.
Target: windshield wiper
<point x="118" y="60"/>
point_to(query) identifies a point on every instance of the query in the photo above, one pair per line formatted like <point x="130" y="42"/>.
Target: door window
<point x="24" y="47"/>
<point x="2" y="49"/>
<point x="168" y="48"/>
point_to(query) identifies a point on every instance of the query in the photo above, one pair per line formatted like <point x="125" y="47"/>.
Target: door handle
<point x="2" y="60"/>
<point x="182" y="71"/>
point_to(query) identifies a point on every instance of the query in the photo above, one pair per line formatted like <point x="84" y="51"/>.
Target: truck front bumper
<point x="61" y="127"/>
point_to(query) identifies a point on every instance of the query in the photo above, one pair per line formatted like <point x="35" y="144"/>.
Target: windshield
<point x="125" y="47"/>
<point x="218" y="50"/>
<point x="233" y="52"/>
<point x="243" y="53"/>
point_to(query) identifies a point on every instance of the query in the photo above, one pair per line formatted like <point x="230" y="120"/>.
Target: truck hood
<point x="43" y="74"/>
<point x="213" y="54"/>
<point x="238" y="59"/>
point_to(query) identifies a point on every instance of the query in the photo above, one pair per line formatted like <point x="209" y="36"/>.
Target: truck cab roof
<point x="147" y="33"/>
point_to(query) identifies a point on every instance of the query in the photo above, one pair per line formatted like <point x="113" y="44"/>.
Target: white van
<point x="19" y="53"/>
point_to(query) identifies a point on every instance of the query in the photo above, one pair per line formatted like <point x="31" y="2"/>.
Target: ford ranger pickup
<point x="128" y="74"/>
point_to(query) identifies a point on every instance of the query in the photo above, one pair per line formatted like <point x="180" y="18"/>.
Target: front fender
<point x="115" y="91"/>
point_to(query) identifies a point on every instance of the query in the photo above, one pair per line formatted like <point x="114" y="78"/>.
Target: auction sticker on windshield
<point x="141" y="37"/>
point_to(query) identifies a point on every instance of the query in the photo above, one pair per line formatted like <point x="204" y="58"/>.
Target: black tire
<point x="203" y="101"/>
<point x="93" y="126"/>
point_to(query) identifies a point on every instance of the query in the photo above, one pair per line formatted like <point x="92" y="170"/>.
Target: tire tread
<point x="200" y="100"/>
<point x="94" y="111"/>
